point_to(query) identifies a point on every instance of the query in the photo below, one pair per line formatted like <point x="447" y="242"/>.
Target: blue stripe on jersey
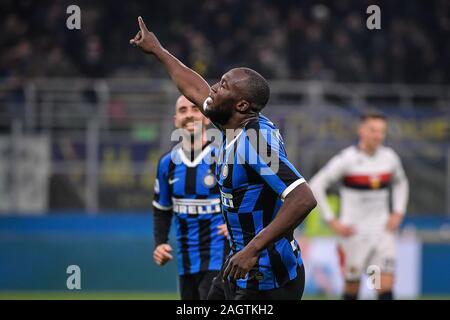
<point x="271" y="177"/>
<point x="217" y="245"/>
<point x="239" y="172"/>
<point x="248" y="203"/>
<point x="268" y="282"/>
<point x="179" y="253"/>
<point x="286" y="252"/>
<point x="258" y="220"/>
<point x="193" y="243"/>
<point x="178" y="187"/>
<point x="162" y="190"/>
<point x="235" y="227"/>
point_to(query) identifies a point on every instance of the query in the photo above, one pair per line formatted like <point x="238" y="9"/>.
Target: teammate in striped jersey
<point x="366" y="225"/>
<point x="186" y="188"/>
<point x="264" y="198"/>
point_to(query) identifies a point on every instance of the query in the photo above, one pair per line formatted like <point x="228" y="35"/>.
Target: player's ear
<point x="243" y="106"/>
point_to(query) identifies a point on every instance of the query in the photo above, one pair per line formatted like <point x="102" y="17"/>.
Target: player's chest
<point x="231" y="170"/>
<point x="368" y="173"/>
<point x="184" y="180"/>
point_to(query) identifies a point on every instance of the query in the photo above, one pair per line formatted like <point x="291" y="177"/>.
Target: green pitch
<point x="80" y="295"/>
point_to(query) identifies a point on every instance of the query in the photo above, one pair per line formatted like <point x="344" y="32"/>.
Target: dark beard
<point x="218" y="116"/>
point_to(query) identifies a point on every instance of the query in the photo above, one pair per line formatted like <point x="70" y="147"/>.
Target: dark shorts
<point x="196" y="286"/>
<point x="225" y="290"/>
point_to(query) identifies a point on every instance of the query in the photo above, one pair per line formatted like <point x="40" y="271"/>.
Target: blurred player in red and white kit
<point x="366" y="225"/>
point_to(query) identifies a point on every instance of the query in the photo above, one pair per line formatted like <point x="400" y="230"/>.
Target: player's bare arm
<point x="190" y="83"/>
<point x="297" y="205"/>
<point x="395" y="219"/>
<point x="341" y="229"/>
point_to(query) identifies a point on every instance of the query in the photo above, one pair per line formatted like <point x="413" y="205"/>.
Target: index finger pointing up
<point x="142" y="25"/>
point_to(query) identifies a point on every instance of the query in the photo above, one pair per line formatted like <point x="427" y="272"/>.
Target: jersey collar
<point x="197" y="160"/>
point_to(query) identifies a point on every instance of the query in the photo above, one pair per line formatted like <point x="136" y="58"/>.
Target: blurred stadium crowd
<point x="283" y="39"/>
<point x="81" y="152"/>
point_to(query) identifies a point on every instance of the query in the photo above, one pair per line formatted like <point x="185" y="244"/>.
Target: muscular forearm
<point x="189" y="82"/>
<point x="161" y="225"/>
<point x="297" y="205"/>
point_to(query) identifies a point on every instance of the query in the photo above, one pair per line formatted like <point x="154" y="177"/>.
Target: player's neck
<point x="193" y="144"/>
<point x="366" y="149"/>
<point x="234" y="127"/>
<point x="239" y="120"/>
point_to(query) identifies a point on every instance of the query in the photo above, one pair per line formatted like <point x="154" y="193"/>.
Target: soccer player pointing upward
<point x="262" y="201"/>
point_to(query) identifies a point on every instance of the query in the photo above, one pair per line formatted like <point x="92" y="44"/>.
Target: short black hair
<point x="257" y="90"/>
<point x="372" y="114"/>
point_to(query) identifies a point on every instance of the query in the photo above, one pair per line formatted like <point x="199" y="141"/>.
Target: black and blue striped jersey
<point x="255" y="176"/>
<point x="188" y="188"/>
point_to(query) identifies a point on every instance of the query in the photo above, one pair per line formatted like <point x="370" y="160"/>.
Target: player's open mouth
<point x="189" y="125"/>
<point x="208" y="102"/>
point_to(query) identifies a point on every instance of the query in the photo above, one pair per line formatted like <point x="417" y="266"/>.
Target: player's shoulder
<point x="388" y="152"/>
<point x="348" y="152"/>
<point x="261" y="123"/>
<point x="165" y="160"/>
<point x="263" y="127"/>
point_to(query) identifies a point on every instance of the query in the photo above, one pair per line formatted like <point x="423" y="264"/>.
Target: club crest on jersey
<point x="225" y="171"/>
<point x="375" y="182"/>
<point x="353" y="270"/>
<point x="209" y="180"/>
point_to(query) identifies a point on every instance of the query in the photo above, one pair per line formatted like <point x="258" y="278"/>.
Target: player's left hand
<point x="240" y="264"/>
<point x="395" y="219"/>
<point x="145" y="40"/>
<point x="223" y="230"/>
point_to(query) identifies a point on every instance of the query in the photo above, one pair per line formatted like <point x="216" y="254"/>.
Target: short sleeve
<point x="264" y="152"/>
<point x="162" y="196"/>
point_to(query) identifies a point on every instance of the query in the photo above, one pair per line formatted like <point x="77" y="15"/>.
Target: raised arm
<point x="190" y="83"/>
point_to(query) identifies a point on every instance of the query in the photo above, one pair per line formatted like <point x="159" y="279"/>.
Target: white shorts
<point x="360" y="254"/>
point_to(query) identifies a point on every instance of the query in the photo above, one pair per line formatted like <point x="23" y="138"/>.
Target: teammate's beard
<point x="194" y="142"/>
<point x="198" y="127"/>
